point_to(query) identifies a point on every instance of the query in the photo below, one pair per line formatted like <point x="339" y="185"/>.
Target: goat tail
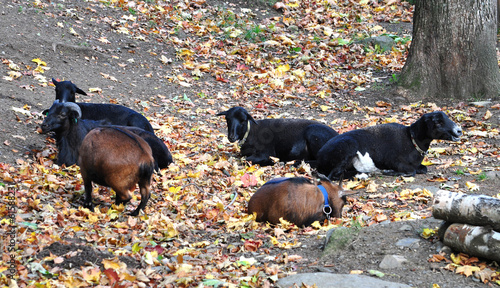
<point x="146" y="169"/>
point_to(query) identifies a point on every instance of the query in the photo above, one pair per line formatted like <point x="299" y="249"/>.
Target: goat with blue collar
<point x="298" y="200"/>
<point x="286" y="139"/>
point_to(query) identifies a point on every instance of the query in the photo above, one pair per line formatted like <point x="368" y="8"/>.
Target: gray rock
<point x="408" y="243"/>
<point x="493" y="175"/>
<point x="445" y="249"/>
<point x="392" y="261"/>
<point x="384" y="42"/>
<point x="406" y="227"/>
<point x="327" y="280"/>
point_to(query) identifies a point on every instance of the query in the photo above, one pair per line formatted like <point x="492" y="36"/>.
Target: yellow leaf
<point x="475" y="172"/>
<point x="471" y="186"/>
<point x="324" y="108"/>
<point x="455" y="259"/>
<point x="92" y="275"/>
<point x="427" y="162"/>
<point x="185" y="52"/>
<point x="93" y="218"/>
<point x="467" y="270"/>
<point x="427" y="233"/>
<point x="39" y="62"/>
<point x="92" y="90"/>
<point x="436" y="286"/>
<point x="356" y="272"/>
<point x="316" y="225"/>
<point x="109" y="264"/>
<point x="174" y="189"/>
<point x="293" y="4"/>
<point x="274" y="241"/>
<point x="327" y="30"/>
<point x="72" y="31"/>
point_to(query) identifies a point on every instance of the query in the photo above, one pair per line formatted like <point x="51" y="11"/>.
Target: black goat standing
<point x="65" y="120"/>
<point x="286" y="139"/>
<point x="394" y="149"/>
<point x="112" y="113"/>
<point x="116" y="158"/>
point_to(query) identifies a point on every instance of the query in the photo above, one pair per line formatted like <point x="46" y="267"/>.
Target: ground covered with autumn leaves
<point x="181" y="62"/>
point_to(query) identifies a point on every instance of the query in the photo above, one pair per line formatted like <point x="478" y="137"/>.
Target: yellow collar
<point x="242" y="141"/>
<point x="422" y="152"/>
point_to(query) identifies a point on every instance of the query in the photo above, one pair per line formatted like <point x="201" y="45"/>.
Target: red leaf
<point x="248" y="180"/>
<point x="112" y="276"/>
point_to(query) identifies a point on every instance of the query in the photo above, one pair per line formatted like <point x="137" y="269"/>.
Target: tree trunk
<point x="477" y="210"/>
<point x="452" y="54"/>
<point x="473" y="240"/>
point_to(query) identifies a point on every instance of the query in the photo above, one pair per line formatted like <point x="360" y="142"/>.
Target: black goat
<point x="393" y="148"/>
<point x="112" y="113"/>
<point x="298" y="200"/>
<point x="66" y="90"/>
<point x="287" y="139"/>
<point x="65" y="120"/>
<point x="119" y="159"/>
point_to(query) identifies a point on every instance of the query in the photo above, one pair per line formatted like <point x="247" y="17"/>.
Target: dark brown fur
<point x="297" y="200"/>
<point x="118" y="159"/>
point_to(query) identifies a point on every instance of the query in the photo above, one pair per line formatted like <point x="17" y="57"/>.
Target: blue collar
<point x="326" y="209"/>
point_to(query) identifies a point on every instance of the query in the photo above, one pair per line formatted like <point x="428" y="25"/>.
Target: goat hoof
<point x="135" y="213"/>
<point x="88" y="205"/>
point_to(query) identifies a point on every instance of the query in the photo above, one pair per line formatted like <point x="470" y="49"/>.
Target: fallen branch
<point x="477" y="210"/>
<point x="473" y="240"/>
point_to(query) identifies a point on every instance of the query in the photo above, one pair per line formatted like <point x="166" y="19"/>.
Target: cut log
<point x="476" y="210"/>
<point x="473" y="240"/>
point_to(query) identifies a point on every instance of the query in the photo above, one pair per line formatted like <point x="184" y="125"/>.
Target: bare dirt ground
<point x="142" y="83"/>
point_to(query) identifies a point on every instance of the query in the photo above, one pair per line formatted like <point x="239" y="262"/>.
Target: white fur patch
<point x="364" y="163"/>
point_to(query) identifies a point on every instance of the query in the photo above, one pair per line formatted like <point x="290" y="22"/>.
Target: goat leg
<point x="144" y="198"/>
<point x="87" y="203"/>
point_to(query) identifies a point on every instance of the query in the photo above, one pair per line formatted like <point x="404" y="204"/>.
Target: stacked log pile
<point x="472" y="223"/>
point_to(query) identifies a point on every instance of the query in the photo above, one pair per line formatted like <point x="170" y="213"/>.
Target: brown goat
<point x="119" y="159"/>
<point x="297" y="200"/>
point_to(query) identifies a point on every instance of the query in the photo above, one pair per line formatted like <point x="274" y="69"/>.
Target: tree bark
<point x="452" y="54"/>
<point x="473" y="240"/>
<point x="477" y="210"/>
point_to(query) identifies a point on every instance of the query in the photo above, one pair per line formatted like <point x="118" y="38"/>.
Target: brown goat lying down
<point x="116" y="158"/>
<point x="297" y="200"/>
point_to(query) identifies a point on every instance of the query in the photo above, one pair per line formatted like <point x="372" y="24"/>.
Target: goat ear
<point x="222" y="113"/>
<point x="55" y="81"/>
<point x="251" y="118"/>
<point x="80" y="91"/>
<point x="45" y="112"/>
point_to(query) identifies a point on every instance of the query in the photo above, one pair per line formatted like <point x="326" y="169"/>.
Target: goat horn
<point x="74" y="107"/>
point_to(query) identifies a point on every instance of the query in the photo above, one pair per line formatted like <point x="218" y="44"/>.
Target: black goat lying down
<point x="112" y="113"/>
<point x="298" y="200"/>
<point x="393" y="148"/>
<point x="119" y="159"/>
<point x="287" y="139"/>
<point x="64" y="119"/>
